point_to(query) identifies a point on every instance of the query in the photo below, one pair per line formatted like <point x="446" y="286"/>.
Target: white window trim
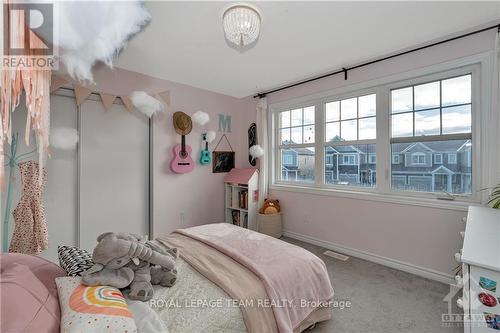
<point x="348" y="155"/>
<point x="398" y="158"/>
<point x="455" y="157"/>
<point x="441" y="159"/>
<point x="481" y="67"/>
<point x="418" y="154"/>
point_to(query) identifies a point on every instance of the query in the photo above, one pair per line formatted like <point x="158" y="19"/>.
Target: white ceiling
<point x="185" y="42"/>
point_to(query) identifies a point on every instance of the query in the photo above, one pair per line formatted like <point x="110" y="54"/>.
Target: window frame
<point x="440" y="158"/>
<point x="477" y="65"/>
<point x="418" y="155"/>
<point x="455" y="158"/>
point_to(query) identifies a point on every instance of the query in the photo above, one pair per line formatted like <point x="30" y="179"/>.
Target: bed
<point x="232" y="279"/>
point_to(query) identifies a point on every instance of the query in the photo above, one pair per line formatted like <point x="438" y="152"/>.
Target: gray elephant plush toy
<point x="122" y="260"/>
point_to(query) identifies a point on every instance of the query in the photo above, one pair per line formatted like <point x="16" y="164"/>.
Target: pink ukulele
<point x="182" y="162"/>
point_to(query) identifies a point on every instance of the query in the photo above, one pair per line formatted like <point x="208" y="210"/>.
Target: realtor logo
<point x="28" y="35"/>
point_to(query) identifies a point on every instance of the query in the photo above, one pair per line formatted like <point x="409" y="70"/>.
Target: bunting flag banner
<point x="165" y="97"/>
<point x="81" y="94"/>
<point x="128" y="103"/>
<point x="107" y="100"/>
<point x="57" y="82"/>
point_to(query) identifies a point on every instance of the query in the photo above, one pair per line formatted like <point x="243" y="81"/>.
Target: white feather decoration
<point x="256" y="151"/>
<point x="200" y="118"/>
<point x="145" y="103"/>
<point x="211" y="136"/>
<point x="96" y="31"/>
<point x="64" y="138"/>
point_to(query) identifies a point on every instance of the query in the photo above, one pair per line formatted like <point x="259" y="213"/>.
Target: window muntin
<point x="401" y="103"/>
<point x="433" y="120"/>
<point x="435" y="108"/>
<point x="296" y="137"/>
<point x="351" y="119"/>
<point x="297" y="126"/>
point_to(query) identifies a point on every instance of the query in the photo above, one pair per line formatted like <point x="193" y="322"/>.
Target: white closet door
<point x="114" y="172"/>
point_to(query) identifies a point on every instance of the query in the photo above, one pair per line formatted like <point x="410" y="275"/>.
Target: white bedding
<point x="178" y="310"/>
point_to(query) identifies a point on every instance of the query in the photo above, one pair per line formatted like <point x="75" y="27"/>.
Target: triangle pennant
<point x="57" y="82"/>
<point x="107" y="100"/>
<point x="81" y="94"/>
<point x="165" y="96"/>
<point x="128" y="103"/>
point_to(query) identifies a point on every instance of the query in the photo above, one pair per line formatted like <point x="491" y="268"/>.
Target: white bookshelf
<point x="241" y="197"/>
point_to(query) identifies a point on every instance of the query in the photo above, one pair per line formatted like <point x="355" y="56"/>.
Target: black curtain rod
<point x="344" y="70"/>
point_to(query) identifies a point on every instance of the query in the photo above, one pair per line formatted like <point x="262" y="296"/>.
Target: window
<point x="329" y="159"/>
<point x="430" y="119"/>
<point x="418" y="158"/>
<point x="426" y="145"/>
<point x="351" y="119"/>
<point x="348" y="159"/>
<point x="349" y="123"/>
<point x="288" y="159"/>
<point x="297" y="136"/>
<point x="452" y="158"/>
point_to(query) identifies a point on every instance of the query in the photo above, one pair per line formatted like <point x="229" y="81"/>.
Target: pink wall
<point x="420" y="236"/>
<point x="195" y="198"/>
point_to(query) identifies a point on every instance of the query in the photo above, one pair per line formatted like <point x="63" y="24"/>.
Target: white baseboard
<point x="396" y="264"/>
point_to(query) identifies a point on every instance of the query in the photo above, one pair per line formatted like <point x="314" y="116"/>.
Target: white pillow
<point x="146" y="319"/>
<point x="92" y="309"/>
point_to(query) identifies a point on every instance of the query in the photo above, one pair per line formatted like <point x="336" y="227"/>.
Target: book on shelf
<point x="245" y="221"/>
<point x="236" y="217"/>
<point x="244" y="199"/>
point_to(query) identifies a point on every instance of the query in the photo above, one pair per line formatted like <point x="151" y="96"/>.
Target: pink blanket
<point x="296" y="280"/>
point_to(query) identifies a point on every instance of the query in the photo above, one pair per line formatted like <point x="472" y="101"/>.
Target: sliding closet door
<point x="114" y="172"/>
<point x="60" y="195"/>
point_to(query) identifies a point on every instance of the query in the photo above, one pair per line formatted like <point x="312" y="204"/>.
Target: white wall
<point x="415" y="238"/>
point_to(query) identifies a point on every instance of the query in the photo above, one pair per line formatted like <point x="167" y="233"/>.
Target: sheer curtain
<point x="262" y="140"/>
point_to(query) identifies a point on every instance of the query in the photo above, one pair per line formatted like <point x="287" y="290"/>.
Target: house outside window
<point x="431" y="119"/>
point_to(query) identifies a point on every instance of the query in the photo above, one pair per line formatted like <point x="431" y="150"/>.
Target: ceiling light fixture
<point x="241" y="24"/>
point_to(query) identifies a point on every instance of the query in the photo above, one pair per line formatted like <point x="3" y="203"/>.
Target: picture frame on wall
<point x="222" y="161"/>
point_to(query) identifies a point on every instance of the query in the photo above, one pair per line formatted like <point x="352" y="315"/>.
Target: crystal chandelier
<point x="241" y="24"/>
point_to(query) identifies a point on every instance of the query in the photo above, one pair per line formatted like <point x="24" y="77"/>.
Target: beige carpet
<point x="383" y="300"/>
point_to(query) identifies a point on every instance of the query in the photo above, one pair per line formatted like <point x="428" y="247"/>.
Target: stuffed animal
<point x="125" y="260"/>
<point x="270" y="207"/>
